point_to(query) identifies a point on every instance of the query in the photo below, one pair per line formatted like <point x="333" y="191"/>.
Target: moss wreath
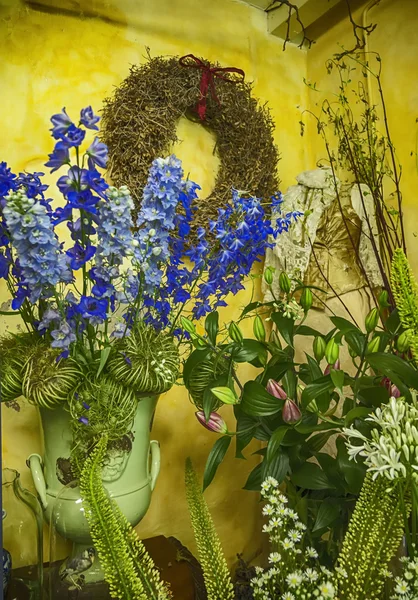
<point x="139" y="124"/>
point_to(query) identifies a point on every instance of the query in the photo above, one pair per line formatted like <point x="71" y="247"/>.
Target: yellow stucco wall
<point x="395" y="39"/>
<point x="49" y="60"/>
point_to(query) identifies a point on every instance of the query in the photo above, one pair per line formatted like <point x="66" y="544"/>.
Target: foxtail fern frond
<point x="373" y="537"/>
<point x="112" y="535"/>
<point x="215" y="570"/>
<point x="405" y="292"/>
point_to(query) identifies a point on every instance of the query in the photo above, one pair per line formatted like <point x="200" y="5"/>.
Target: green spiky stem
<point x="105" y="531"/>
<point x="405" y="292"/>
<point x="215" y="570"/>
<point x="373" y="537"/>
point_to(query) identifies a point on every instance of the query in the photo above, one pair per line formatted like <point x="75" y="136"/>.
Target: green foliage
<point x="295" y="453"/>
<point x="215" y="570"/>
<point x="405" y="291"/>
<point x="372" y="539"/>
<point x="15" y="350"/>
<point x="46" y="382"/>
<point x="128" y="568"/>
<point x="146" y="361"/>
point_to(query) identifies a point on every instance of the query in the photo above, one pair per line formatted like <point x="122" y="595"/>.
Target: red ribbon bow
<point x="207" y="80"/>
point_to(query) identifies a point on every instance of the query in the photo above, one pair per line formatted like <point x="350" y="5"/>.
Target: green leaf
<point x="313" y="390"/>
<point x="257" y="402"/>
<point x="248" y="351"/>
<point x="314" y="369"/>
<point x="318" y="441"/>
<point x="275" y="441"/>
<point x="255" y="479"/>
<point x="337" y="378"/>
<point x="356" y="413"/>
<point x="225" y="394"/>
<point x="290" y="383"/>
<point x="373" y="396"/>
<point x="209" y="402"/>
<point x="394" y="368"/>
<point x="104" y="355"/>
<point x="356" y="341"/>
<point x="215" y="458"/>
<point x="305" y="330"/>
<point x="212" y="326"/>
<point x="194" y="359"/>
<point x="285" y="327"/>
<point x="344" y="325"/>
<point x="328" y="512"/>
<point x="278" y="467"/>
<point x="244" y="423"/>
<point x="306" y="428"/>
<point x="393" y="322"/>
<point x="353" y="472"/>
<point x="311" y="477"/>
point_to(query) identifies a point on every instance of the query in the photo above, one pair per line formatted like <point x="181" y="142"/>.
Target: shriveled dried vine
<point x="139" y="124"/>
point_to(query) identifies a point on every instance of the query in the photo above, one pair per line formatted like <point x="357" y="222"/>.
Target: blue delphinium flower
<point x="93" y="309"/>
<point x="51" y="315"/>
<point x="97" y="153"/>
<point x="73" y="137"/>
<point x="76" y="179"/>
<point x="62" y="338"/>
<point x="84" y="200"/>
<point x="79" y="255"/>
<point x="59" y="157"/>
<point x="88" y="118"/>
<point x="41" y="263"/>
<point x="61" y="123"/>
<point x="157" y="218"/>
<point x="7" y="180"/>
<point x="114" y="240"/>
<point x="33" y="186"/>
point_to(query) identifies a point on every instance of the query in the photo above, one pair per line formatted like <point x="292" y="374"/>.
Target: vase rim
<point x="9" y="476"/>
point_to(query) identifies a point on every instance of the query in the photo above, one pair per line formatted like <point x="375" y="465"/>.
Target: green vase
<point x="129" y="476"/>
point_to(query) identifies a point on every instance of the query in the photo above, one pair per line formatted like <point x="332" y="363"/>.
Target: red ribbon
<point x="207" y="81"/>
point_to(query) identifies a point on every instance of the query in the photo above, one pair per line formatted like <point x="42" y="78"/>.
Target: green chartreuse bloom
<point x="405" y="291"/>
<point x="215" y="570"/>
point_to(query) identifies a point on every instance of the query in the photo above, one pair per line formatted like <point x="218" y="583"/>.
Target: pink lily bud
<point x="391" y="387"/>
<point x="215" y="422"/>
<point x="291" y="412"/>
<point x="336" y="366"/>
<point x="275" y="389"/>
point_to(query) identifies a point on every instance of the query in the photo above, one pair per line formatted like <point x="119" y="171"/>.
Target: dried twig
<point x="292" y="10"/>
<point x="359" y="31"/>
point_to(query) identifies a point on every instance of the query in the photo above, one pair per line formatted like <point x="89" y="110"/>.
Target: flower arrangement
<point x="296" y="406"/>
<point x="101" y="315"/>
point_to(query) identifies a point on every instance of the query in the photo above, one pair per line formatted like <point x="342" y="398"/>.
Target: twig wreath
<point x="139" y="124"/>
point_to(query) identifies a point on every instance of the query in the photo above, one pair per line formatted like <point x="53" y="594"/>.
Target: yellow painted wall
<point x="395" y="39"/>
<point x="49" y="60"/>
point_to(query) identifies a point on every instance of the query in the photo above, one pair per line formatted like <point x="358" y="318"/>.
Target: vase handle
<point x="34" y="463"/>
<point x="155" y="453"/>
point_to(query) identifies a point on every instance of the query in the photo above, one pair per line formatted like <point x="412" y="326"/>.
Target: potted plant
<point x="298" y="406"/>
<point x="100" y="327"/>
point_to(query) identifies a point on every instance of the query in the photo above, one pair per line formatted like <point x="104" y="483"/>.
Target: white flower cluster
<point x="292" y="574"/>
<point x="392" y="450"/>
<point x="406" y="587"/>
<point x="293" y="310"/>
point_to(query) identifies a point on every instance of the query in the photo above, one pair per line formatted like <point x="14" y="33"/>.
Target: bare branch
<point x="359" y="32"/>
<point x="292" y="10"/>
